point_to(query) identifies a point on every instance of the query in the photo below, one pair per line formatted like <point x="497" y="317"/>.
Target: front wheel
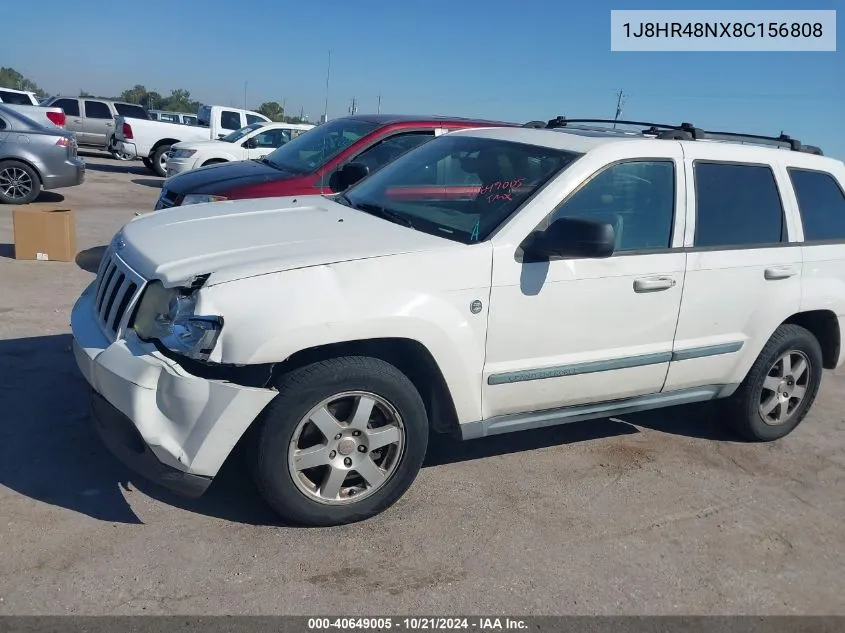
<point x="159" y="160"/>
<point x="780" y="387"/>
<point x="342" y="441"/>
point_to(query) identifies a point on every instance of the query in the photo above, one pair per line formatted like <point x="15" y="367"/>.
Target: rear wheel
<point x="342" y="441"/>
<point x="781" y="386"/>
<point x="159" y="160"/>
<point x="19" y="183"/>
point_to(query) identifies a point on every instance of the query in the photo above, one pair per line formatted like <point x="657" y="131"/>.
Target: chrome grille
<point x="118" y="288"/>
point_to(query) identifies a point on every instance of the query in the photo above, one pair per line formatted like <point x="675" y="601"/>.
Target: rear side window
<point x="130" y="111"/>
<point x="96" y="110"/>
<point x="15" y="98"/>
<point x="736" y="205"/>
<point x="230" y="120"/>
<point x="251" y="118"/>
<point x="70" y="106"/>
<point x="821" y="203"/>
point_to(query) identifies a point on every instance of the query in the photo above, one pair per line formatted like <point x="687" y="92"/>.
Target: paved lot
<point x="659" y="513"/>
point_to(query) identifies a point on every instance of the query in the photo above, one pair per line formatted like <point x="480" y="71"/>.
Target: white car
<point x="488" y="281"/>
<point x="249" y="142"/>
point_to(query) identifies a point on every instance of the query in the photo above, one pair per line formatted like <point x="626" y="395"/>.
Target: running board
<point x="553" y="417"/>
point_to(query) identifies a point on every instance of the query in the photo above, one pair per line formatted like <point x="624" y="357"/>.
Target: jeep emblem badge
<point x="475" y="307"/>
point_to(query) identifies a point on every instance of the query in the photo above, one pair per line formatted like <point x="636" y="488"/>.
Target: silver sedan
<point x="34" y="157"/>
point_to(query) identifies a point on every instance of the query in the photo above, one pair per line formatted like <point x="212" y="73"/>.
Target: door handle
<point x="653" y="284"/>
<point x="779" y="272"/>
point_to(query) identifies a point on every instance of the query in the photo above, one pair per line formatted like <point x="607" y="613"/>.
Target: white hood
<point x="243" y="238"/>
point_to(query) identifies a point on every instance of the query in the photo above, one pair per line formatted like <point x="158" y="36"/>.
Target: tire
<point x="307" y="497"/>
<point x="759" y="397"/>
<point x="119" y="156"/>
<point x="148" y="163"/>
<point x="157" y="159"/>
<point x="19" y="183"/>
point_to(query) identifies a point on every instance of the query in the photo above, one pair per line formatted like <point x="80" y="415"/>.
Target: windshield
<point x="312" y="150"/>
<point x="239" y="134"/>
<point x="458" y="187"/>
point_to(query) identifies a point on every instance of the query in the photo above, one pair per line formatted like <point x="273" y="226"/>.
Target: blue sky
<point x="518" y="61"/>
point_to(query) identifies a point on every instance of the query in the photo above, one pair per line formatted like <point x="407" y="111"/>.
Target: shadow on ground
<point x="89" y="259"/>
<point x="49" y="197"/>
<point x="120" y="167"/>
<point x="148" y="182"/>
<point x="50" y="451"/>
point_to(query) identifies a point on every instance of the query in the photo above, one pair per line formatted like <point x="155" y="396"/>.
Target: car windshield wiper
<point x="382" y="212"/>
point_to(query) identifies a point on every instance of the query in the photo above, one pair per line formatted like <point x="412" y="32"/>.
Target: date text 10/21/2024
<point x="417" y="624"/>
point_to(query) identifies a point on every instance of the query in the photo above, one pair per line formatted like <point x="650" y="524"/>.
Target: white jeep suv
<point x="488" y="281"/>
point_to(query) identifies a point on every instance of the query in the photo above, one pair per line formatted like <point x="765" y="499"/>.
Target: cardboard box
<point x="44" y="233"/>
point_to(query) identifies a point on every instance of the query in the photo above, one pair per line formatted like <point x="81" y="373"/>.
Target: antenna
<point x="620" y="101"/>
<point x="379" y="105"/>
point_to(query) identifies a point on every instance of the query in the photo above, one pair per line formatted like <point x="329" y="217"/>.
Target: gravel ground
<point x="660" y="513"/>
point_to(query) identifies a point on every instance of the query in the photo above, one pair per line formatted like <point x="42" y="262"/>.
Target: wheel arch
<point x="409" y="356"/>
<point x="28" y="163"/>
<point x="159" y="143"/>
<point x="824" y="325"/>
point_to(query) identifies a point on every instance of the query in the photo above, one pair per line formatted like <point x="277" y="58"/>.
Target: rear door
<point x="73" y="115"/>
<point x="97" y="122"/>
<point x="744" y="265"/>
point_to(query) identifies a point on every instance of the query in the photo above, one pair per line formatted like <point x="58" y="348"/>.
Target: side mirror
<point x="571" y="237"/>
<point x="349" y="174"/>
<point x="250" y="143"/>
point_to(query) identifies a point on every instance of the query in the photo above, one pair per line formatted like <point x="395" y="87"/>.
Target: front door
<point x="265" y="142"/>
<point x="577" y="331"/>
<point x="97" y="123"/>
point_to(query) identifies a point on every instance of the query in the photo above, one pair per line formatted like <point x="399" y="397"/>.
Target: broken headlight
<point x="167" y="315"/>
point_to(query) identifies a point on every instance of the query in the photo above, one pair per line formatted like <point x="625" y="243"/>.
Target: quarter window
<point x="637" y="198"/>
<point x="736" y="205"/>
<point x="390" y="149"/>
<point x="821" y="203"/>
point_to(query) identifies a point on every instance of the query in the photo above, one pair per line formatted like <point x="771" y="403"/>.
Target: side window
<point x="391" y="148"/>
<point x="636" y="197"/>
<point x="736" y="205"/>
<point x="130" y="111"/>
<point x="14" y="98"/>
<point x="169" y="118"/>
<point x="230" y="120"/>
<point x="271" y="139"/>
<point x="821" y="203"/>
<point x="251" y="118"/>
<point x="96" y="110"/>
<point x="70" y="106"/>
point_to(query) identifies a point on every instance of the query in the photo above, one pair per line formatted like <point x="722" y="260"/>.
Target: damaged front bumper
<point x="168" y="425"/>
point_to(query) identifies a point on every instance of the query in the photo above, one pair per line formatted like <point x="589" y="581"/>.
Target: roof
<point x="582" y="141"/>
<point x="387" y="119"/>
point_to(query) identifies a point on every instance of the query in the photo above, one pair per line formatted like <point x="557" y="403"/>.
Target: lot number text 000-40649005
<point x="723" y="30"/>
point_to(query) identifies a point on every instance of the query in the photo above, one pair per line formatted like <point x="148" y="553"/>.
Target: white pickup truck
<point x="26" y="103"/>
<point x="151" y="140"/>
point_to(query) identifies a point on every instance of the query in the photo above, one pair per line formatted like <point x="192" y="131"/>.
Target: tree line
<point x="179" y="100"/>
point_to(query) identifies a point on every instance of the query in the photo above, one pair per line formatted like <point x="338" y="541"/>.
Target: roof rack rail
<point x="682" y="132"/>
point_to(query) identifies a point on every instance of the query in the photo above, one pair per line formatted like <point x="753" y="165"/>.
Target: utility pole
<point x="620" y="101"/>
<point x="328" y="73"/>
<point x="379" y="105"/>
<point x="353" y="108"/>
<point x="245" y="84"/>
<point x="301" y="113"/>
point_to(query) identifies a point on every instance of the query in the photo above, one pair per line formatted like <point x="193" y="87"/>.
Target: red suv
<point x="310" y="163"/>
